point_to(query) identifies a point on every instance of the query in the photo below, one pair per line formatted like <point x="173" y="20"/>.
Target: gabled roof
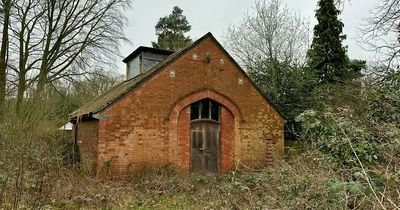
<point x="146" y="49"/>
<point x="120" y="90"/>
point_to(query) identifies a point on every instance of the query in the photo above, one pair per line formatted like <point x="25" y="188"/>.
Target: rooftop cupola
<point x="143" y="59"/>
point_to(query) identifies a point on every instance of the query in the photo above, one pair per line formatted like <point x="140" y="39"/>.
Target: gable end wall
<point x="136" y="133"/>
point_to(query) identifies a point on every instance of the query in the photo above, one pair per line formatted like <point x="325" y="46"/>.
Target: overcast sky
<point x="215" y="16"/>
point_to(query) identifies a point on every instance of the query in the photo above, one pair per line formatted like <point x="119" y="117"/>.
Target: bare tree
<point x="271" y="45"/>
<point x="5" y="21"/>
<point x="273" y="32"/>
<point x="382" y="33"/>
<point x="54" y="40"/>
<point x="25" y="45"/>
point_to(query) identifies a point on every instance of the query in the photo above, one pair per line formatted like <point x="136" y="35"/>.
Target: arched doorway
<point x="205" y="137"/>
<point x="229" y="119"/>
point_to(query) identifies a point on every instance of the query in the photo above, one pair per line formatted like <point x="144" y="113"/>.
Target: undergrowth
<point x="307" y="180"/>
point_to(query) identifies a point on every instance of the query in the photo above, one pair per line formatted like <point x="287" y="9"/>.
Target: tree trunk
<point x="23" y="59"/>
<point x="41" y="82"/>
<point x="3" y="55"/>
<point x="20" y="91"/>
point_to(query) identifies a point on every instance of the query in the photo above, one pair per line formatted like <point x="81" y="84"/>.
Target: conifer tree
<point x="327" y="57"/>
<point x="170" y="31"/>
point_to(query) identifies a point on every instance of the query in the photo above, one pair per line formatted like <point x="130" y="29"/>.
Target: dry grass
<point x="297" y="183"/>
<point x="33" y="175"/>
<point x="301" y="181"/>
<point x="290" y="184"/>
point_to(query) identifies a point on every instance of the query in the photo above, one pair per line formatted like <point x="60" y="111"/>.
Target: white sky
<point x="215" y="16"/>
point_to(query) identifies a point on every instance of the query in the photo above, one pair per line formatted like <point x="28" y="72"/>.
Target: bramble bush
<point x="355" y="119"/>
<point x="369" y="150"/>
<point x="384" y="100"/>
<point x="332" y="133"/>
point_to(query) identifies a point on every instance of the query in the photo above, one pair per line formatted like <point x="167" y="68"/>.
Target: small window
<point x="215" y="112"/>
<point x="204" y="109"/>
<point x="194" y="111"/>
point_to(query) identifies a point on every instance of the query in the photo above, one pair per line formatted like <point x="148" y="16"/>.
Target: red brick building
<point x="195" y="109"/>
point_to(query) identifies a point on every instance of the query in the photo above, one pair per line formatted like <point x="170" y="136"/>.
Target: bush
<point x="352" y="94"/>
<point x="337" y="134"/>
<point x="28" y="156"/>
<point x="384" y="104"/>
<point x="69" y="151"/>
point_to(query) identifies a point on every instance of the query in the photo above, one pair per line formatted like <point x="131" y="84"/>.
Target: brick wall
<point x="142" y="129"/>
<point x="183" y="135"/>
<point x="227" y="140"/>
<point x="86" y="133"/>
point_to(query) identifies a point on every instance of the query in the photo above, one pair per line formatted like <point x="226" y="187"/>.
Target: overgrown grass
<point x="307" y="180"/>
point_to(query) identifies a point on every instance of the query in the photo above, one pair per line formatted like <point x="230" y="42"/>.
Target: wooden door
<point x="204" y="147"/>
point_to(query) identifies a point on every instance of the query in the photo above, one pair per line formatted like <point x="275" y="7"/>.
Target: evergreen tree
<point x="170" y="31"/>
<point x="327" y="57"/>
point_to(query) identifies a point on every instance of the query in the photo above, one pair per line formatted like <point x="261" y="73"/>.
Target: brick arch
<point x="179" y="125"/>
<point x="202" y="94"/>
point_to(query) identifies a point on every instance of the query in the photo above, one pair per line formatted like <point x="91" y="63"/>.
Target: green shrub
<point x="384" y="104"/>
<point x="336" y="134"/>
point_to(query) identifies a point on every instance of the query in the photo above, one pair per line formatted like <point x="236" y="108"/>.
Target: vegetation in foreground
<point x="38" y="169"/>
<point x="308" y="179"/>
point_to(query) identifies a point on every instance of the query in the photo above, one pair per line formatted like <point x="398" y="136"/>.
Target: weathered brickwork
<point x="150" y="126"/>
<point x="180" y="127"/>
<point x="87" y="136"/>
<point x="227" y="140"/>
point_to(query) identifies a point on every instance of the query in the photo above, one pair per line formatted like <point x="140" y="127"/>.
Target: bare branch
<point x="56" y="39"/>
<point x="381" y="34"/>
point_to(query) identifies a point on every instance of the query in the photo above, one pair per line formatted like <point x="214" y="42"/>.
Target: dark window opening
<point x="194" y="111"/>
<point x="204" y="109"/>
<point x="215" y="112"/>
